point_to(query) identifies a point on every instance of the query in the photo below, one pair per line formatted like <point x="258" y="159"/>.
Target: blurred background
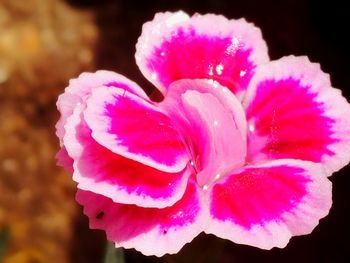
<point x="44" y="43"/>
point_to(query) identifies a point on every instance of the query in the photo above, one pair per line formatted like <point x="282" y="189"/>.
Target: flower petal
<point x="264" y="206"/>
<point x="151" y="231"/>
<point x="220" y="144"/>
<point x="213" y="122"/>
<point x="64" y="160"/>
<point x="99" y="170"/>
<point x="175" y="46"/>
<point x="293" y="112"/>
<point x="135" y="128"/>
<point x="81" y="87"/>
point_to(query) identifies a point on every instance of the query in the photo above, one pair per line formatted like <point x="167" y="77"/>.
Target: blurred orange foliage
<point x="43" y="43"/>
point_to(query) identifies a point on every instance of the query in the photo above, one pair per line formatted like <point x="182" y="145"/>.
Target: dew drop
<point x="211" y="73"/>
<point x="219" y="68"/>
<point x="232" y="48"/>
<point x="205" y="187"/>
<point x="154" y="76"/>
<point x="251" y="127"/>
<point x="242" y="73"/>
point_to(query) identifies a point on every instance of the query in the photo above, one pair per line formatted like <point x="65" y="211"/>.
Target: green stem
<point x="113" y="255"/>
<point x="4" y="238"/>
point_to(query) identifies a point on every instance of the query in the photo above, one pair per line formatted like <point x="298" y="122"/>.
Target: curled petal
<point x="293" y="112"/>
<point x="135" y="128"/>
<point x="80" y="88"/>
<point x="151" y="231"/>
<point x="264" y="206"/>
<point x="99" y="170"/>
<point x="175" y="46"/>
<point x="213" y="122"/>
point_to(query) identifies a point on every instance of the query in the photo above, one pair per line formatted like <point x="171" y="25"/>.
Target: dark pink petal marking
<point x="293" y="112"/>
<point x="188" y="55"/>
<point x="188" y="48"/>
<point x="99" y="170"/>
<point x="152" y="231"/>
<point x="258" y="195"/>
<point x="265" y="205"/>
<point x="293" y="122"/>
<point x="80" y="88"/>
<point x="134" y="128"/>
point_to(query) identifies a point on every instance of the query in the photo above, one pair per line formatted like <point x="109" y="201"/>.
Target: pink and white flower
<point x="240" y="147"/>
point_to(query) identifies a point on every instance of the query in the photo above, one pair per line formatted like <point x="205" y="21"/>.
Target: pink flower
<point x="240" y="147"/>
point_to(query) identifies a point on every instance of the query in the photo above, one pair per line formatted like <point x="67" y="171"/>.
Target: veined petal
<point x="175" y="46"/>
<point x="101" y="171"/>
<point x="151" y="231"/>
<point x="293" y="112"/>
<point x="265" y="205"/>
<point x="213" y="122"/>
<point x="135" y="128"/>
<point x="81" y="87"/>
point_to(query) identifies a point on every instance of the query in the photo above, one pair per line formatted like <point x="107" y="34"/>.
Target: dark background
<point x="318" y="29"/>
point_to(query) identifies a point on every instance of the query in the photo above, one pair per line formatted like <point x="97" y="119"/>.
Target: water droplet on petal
<point x="251" y="127"/>
<point x="242" y="73"/>
<point x="233" y="47"/>
<point x="219" y="68"/>
<point x="211" y="71"/>
<point x="154" y="76"/>
<point x="205" y="187"/>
